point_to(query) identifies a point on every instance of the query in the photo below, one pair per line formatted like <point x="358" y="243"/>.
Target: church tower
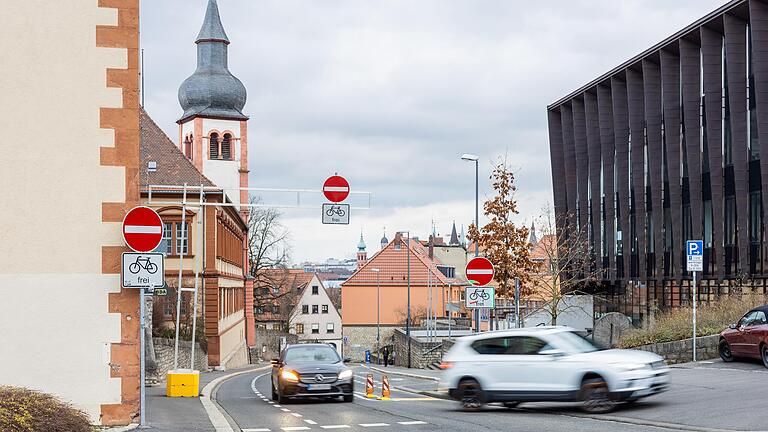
<point x="213" y="128"/>
<point x="362" y="255"/>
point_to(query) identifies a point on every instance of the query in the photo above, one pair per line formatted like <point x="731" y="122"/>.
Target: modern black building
<point x="667" y="147"/>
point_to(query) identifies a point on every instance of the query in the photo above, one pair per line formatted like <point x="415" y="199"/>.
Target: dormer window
<point x="214" y="144"/>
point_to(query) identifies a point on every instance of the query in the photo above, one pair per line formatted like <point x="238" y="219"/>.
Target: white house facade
<point x="314" y="318"/>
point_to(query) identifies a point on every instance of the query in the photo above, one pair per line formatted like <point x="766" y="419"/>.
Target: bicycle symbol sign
<point x="479" y="297"/>
<point x="336" y="214"/>
<point x="143" y="270"/>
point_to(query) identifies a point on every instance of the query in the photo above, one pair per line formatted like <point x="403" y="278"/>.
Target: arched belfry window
<point x="226" y="147"/>
<point x="214" y="144"/>
<point x="188" y="146"/>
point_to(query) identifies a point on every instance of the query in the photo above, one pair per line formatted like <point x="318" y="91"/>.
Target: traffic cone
<point x="369" y="387"/>
<point x="384" y="387"/>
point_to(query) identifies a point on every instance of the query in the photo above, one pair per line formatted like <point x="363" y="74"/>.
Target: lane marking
<point x="277" y="406"/>
<point x="285" y="410"/>
<point x="373" y="424"/>
<point x="410" y="423"/>
<point x="257" y="430"/>
<point x="312" y="422"/>
<point x="296" y="415"/>
<point x="296" y="428"/>
<point x="336" y="427"/>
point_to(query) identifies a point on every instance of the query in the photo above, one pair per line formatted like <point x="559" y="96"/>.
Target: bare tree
<point x="564" y="259"/>
<point x="268" y="248"/>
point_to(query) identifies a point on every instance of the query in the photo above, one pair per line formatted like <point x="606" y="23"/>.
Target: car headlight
<point x="289" y="376"/>
<point x="627" y="367"/>
<point x="347" y="374"/>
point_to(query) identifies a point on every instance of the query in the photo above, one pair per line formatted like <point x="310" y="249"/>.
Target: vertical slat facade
<point x="636" y="100"/>
<point x="621" y="141"/>
<point x="607" y="150"/>
<point x="711" y="57"/>
<point x="670" y="78"/>
<point x="736" y="57"/>
<point x="582" y="161"/>
<point x="569" y="159"/>
<point x="593" y="144"/>
<point x="758" y="19"/>
<point x="558" y="168"/>
<point x="652" y="105"/>
<point x="690" y="79"/>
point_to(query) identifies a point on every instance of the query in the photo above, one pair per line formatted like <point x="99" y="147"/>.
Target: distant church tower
<point x="213" y="128"/>
<point x="384" y="239"/>
<point x="362" y="255"/>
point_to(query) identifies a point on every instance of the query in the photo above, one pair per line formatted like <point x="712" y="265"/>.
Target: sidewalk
<point x="421" y="381"/>
<point x="166" y="414"/>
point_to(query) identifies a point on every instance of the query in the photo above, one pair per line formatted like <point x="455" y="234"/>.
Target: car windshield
<point x="572" y="342"/>
<point x="312" y="354"/>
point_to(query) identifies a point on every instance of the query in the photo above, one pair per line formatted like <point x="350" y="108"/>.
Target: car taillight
<point x="446" y="365"/>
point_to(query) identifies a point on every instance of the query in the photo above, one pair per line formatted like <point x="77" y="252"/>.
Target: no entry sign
<point x="142" y="229"/>
<point x="479" y="271"/>
<point x="336" y="188"/>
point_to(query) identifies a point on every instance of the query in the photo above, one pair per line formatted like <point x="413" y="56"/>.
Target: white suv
<point x="548" y="364"/>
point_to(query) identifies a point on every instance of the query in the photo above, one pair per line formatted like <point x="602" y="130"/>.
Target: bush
<point x="24" y="410"/>
<point x="676" y="324"/>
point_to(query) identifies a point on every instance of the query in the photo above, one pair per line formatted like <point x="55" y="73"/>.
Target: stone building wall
<point x="361" y="338"/>
<point x="268" y="344"/>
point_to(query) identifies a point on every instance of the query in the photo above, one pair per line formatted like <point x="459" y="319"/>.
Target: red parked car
<point x="747" y="338"/>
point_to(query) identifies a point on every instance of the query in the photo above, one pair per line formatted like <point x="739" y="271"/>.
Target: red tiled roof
<point x="392" y="263"/>
<point x="173" y="168"/>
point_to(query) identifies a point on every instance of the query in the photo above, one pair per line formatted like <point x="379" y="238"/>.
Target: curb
<point x="216" y="414"/>
<point x="410" y="375"/>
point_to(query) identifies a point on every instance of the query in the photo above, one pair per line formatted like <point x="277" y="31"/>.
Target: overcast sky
<point x="390" y="93"/>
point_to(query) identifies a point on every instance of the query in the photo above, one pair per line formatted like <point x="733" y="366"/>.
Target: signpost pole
<point x="694" y="290"/>
<point x="142" y="358"/>
<point x="181" y="267"/>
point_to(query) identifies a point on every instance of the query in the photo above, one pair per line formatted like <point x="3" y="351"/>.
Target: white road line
<point x="409" y="423"/>
<point x="271" y="402"/>
<point x="312" y="422"/>
<point x="285" y="410"/>
<point x="362" y="397"/>
<point x="296" y="415"/>
<point x="257" y="430"/>
<point x="277" y="406"/>
<point x="373" y="424"/>
<point x="336" y="427"/>
<point x="296" y="428"/>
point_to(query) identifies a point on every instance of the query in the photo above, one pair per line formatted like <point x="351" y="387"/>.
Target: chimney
<point x="431" y="248"/>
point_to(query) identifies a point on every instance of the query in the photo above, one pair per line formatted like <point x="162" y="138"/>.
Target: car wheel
<point x="596" y="397"/>
<point x="349" y="398"/>
<point x="511" y="404"/>
<point x="764" y="355"/>
<point x="470" y="394"/>
<point x="724" y="349"/>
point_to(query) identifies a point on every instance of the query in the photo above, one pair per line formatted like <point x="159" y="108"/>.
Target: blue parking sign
<point x="694" y="250"/>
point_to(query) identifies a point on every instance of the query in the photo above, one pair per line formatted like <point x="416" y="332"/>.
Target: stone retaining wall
<point x="681" y="351"/>
<point x="164" y="356"/>
<point x="268" y="344"/>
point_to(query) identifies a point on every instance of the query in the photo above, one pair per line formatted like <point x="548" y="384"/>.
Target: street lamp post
<point x="408" y="309"/>
<point x="475" y="159"/>
<point x="378" y="317"/>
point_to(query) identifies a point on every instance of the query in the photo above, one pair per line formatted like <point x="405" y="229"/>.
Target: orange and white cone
<point x="385" y="387"/>
<point x="369" y="387"/>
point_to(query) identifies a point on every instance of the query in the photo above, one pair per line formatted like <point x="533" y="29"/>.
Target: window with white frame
<point x="315" y="328"/>
<point x="329" y="328"/>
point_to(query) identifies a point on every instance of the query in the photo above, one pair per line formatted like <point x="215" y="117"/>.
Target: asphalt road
<point x="705" y="396"/>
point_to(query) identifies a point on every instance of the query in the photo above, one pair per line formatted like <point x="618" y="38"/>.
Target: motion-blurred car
<point x="747" y="338"/>
<point x="548" y="364"/>
<point x="311" y="370"/>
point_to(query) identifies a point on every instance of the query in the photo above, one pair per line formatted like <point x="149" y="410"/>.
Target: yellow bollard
<point x="385" y="387"/>
<point x="182" y="383"/>
<point x="369" y="387"/>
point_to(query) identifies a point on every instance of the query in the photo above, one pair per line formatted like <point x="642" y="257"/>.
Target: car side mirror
<point x="347" y="359"/>
<point x="274" y="362"/>
<point x="554" y="352"/>
<point x="732" y="326"/>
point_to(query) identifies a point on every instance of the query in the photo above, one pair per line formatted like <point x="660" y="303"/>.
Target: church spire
<point x="361" y="243"/>
<point x="532" y="239"/>
<point x="454" y="236"/>
<point x="212" y="30"/>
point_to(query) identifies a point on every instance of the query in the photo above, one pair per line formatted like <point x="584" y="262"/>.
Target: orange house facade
<point x="387" y="273"/>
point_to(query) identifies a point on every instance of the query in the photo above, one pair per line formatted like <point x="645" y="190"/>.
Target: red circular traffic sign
<point x="479" y="271"/>
<point x="142" y="229"/>
<point x="336" y="188"/>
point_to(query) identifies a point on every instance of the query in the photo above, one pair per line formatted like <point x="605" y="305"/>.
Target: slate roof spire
<point x="212" y="91"/>
<point x="454" y="236"/>
<point x="361" y="243"/>
<point x="212" y="29"/>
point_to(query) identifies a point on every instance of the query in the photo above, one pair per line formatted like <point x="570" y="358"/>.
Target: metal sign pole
<point x="181" y="268"/>
<point x="695" y="298"/>
<point x="142" y="358"/>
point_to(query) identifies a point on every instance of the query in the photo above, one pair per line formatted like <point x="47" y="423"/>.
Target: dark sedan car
<point x="311" y="370"/>
<point x="747" y="338"/>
